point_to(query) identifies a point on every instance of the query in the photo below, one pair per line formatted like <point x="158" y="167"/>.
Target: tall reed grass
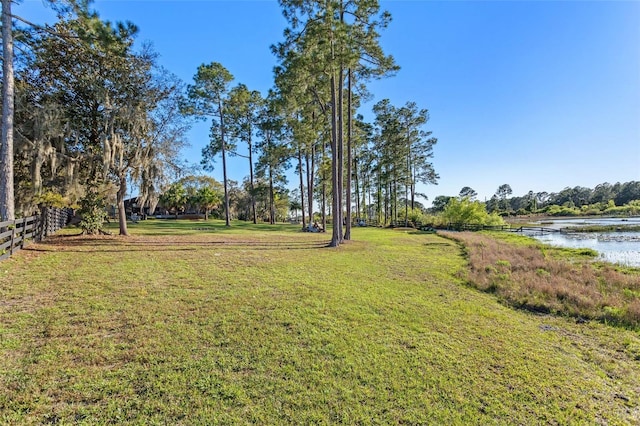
<point x="529" y="276"/>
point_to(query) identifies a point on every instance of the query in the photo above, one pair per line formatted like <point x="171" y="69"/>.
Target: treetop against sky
<point x="539" y="95"/>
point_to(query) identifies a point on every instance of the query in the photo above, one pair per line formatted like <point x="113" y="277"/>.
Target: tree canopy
<point x="96" y="114"/>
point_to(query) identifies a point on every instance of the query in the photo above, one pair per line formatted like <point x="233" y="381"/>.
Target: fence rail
<point x="14" y="234"/>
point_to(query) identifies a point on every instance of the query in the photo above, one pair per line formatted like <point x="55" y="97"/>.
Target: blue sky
<point x="540" y="95"/>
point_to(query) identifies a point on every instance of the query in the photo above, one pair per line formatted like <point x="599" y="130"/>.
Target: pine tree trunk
<point x="272" y="208"/>
<point x="347" y="232"/>
<point x="304" y="222"/>
<point x="310" y="176"/>
<point x="224" y="166"/>
<point x="413" y="189"/>
<point x="324" y="186"/>
<point x="336" y="236"/>
<point x="340" y="149"/>
<point x="252" y="186"/>
<point x="394" y="206"/>
<point x="357" y="188"/>
<point x="406" y="205"/>
<point x="379" y="194"/>
<point x="7" y="200"/>
<point x="226" y="185"/>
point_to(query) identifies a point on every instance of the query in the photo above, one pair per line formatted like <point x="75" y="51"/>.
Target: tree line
<point x="570" y="201"/>
<point x="309" y="120"/>
<point x="94" y="115"/>
<point x="90" y="114"/>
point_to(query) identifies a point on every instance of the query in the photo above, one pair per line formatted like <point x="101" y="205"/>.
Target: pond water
<point x="615" y="247"/>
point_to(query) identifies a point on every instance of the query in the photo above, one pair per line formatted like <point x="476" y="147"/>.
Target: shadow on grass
<point x="419" y="232"/>
<point x="164" y="226"/>
<point x="96" y="245"/>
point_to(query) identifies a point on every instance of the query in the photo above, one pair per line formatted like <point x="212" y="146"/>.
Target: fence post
<point x="24" y="232"/>
<point x="36" y="235"/>
<point x="51" y="221"/>
<point x="13" y="237"/>
<point x="35" y="227"/>
<point x="45" y="222"/>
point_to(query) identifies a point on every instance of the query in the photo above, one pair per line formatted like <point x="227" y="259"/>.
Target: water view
<point x="622" y="247"/>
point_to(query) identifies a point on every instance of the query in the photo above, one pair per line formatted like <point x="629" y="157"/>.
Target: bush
<point x="414" y="215"/>
<point x="93" y="212"/>
<point x="469" y="212"/>
<point x="51" y="199"/>
<point x="555" y="210"/>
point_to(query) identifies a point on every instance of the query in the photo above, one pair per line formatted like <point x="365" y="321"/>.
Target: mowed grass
<point x="192" y="323"/>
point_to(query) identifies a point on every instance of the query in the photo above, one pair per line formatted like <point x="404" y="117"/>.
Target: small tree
<point x="294" y="206"/>
<point x="93" y="211"/>
<point x="502" y="193"/>
<point x="174" y="198"/>
<point x="468" y="192"/>
<point x="439" y="203"/>
<point x="207" y="198"/>
<point x="466" y="211"/>
<point x="51" y="199"/>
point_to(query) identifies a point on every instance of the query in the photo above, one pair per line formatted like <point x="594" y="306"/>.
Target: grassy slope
<point x="263" y="325"/>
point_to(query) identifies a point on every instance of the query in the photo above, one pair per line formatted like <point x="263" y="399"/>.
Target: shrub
<point x="51" y="199"/>
<point x="469" y="212"/>
<point x="555" y="210"/>
<point x="93" y="212"/>
<point x="414" y="215"/>
<point x="632" y="314"/>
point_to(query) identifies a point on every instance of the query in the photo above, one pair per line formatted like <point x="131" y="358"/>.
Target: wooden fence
<point x="14" y="234"/>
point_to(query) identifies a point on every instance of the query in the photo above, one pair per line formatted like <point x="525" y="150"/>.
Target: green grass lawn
<point x="191" y="323"/>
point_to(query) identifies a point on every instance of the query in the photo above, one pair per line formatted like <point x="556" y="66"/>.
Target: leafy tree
<point x="207" y="198"/>
<point x="576" y="196"/>
<point x="7" y="193"/>
<point x="531" y="202"/>
<point x="402" y="150"/>
<point x="275" y="153"/>
<point x="502" y="193"/>
<point x="413" y="216"/>
<point x="242" y="110"/>
<point x="391" y="152"/>
<point x="175" y="198"/>
<point x="93" y="210"/>
<point x="51" y="199"/>
<point x="106" y="111"/>
<point x="541" y="198"/>
<point x="468" y="192"/>
<point x="327" y="38"/>
<point x="493" y="205"/>
<point x="207" y="98"/>
<point x="465" y="211"/>
<point x="420" y="147"/>
<point x="158" y="158"/>
<point x="629" y="191"/>
<point x="294" y="206"/>
<point x="602" y="193"/>
<point x="363" y="162"/>
<point x="203" y="193"/>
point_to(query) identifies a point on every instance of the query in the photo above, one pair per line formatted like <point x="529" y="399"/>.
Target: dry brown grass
<point x="526" y="276"/>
